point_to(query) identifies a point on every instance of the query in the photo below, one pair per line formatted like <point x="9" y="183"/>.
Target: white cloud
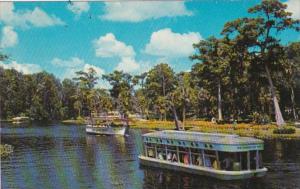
<point x="71" y="63"/>
<point x="294" y="7"/>
<point x="9" y="37"/>
<point x="78" y="7"/>
<point x="24" y="68"/>
<point x="138" y="11"/>
<point x="26" y="18"/>
<point x="169" y="44"/>
<point x="128" y="65"/>
<point x="109" y="46"/>
<point x="99" y="71"/>
<point x="69" y="66"/>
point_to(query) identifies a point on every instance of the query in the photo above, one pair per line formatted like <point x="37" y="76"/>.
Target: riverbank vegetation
<point x="245" y="76"/>
<point x="5" y="150"/>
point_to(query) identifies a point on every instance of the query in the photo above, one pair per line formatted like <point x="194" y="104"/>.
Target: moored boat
<point x="223" y="156"/>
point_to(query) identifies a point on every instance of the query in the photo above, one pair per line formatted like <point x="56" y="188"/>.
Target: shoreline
<point x="242" y="129"/>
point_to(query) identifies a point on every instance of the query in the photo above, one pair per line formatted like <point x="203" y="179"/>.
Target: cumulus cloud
<point x="138" y="11"/>
<point x="78" y="7"/>
<point x="70" y="66"/>
<point x="166" y="43"/>
<point x="26" y="18"/>
<point x="98" y="70"/>
<point x="128" y="65"/>
<point x="293" y="6"/>
<point x="73" y="62"/>
<point x="109" y="46"/>
<point x="24" y="68"/>
<point x="9" y="37"/>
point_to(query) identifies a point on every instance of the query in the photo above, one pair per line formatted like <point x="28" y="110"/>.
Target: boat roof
<point x="213" y="138"/>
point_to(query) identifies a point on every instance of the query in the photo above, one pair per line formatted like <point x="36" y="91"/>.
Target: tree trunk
<point x="220" y="117"/>
<point x="175" y="118"/>
<point x="183" y="115"/>
<point x="278" y="116"/>
<point x="293" y="104"/>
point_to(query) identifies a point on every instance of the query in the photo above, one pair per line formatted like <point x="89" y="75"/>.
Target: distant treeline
<point x="247" y="74"/>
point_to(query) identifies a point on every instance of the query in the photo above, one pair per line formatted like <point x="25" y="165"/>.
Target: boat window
<point x="233" y="161"/>
<point x="171" y="153"/>
<point x="210" y="159"/>
<point x="184" y="155"/>
<point x="260" y="160"/>
<point x="196" y="157"/>
<point x="161" y="152"/>
<point x="150" y="148"/>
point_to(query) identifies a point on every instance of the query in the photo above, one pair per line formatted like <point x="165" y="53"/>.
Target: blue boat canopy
<point x="207" y="141"/>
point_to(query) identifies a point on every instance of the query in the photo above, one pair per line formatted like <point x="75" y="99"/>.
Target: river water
<point x="57" y="156"/>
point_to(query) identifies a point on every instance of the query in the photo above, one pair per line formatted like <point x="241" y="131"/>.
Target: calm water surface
<point x="57" y="156"/>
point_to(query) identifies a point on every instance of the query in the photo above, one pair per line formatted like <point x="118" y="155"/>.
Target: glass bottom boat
<point x="223" y="156"/>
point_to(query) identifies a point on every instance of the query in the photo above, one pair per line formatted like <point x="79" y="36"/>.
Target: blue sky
<point x="62" y="38"/>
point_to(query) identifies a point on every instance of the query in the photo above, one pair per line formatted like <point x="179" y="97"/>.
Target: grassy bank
<point x="73" y="122"/>
<point x="5" y="150"/>
<point x="242" y="129"/>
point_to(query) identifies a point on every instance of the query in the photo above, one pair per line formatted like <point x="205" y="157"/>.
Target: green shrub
<point x="284" y="130"/>
<point x="260" y="118"/>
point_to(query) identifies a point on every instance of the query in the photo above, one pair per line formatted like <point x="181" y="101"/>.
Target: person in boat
<point x="174" y="158"/>
<point x="169" y="156"/>
<point x="215" y="164"/>
<point x="186" y="159"/>
<point x="160" y="156"/>
<point x="150" y="153"/>
<point x="199" y="161"/>
<point x="207" y="162"/>
<point x="228" y="162"/>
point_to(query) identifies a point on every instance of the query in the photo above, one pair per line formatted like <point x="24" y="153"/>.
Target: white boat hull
<point x="105" y="130"/>
<point x="194" y="169"/>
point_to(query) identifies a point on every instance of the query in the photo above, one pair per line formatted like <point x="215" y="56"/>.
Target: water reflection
<point x="58" y="156"/>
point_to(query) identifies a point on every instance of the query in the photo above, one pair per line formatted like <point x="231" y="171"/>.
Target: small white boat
<point x="19" y="120"/>
<point x="106" y="130"/>
<point x="106" y="124"/>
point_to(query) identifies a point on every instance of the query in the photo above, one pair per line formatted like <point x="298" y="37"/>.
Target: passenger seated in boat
<point x="186" y="159"/>
<point x="160" y="156"/>
<point x="150" y="153"/>
<point x="169" y="156"/>
<point x="228" y="162"/>
<point x="207" y="162"/>
<point x="199" y="161"/>
<point x="174" y="158"/>
<point x="216" y="165"/>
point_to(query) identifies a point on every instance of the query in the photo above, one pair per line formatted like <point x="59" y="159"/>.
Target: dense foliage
<point x="246" y="75"/>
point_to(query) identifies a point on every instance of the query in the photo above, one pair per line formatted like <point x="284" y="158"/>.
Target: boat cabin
<point x="220" y="152"/>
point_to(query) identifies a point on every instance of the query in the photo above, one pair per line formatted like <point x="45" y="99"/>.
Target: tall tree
<point x="259" y="33"/>
<point x="292" y="71"/>
<point x="159" y="83"/>
<point x="121" y="91"/>
<point x="213" y="67"/>
<point x="86" y="82"/>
